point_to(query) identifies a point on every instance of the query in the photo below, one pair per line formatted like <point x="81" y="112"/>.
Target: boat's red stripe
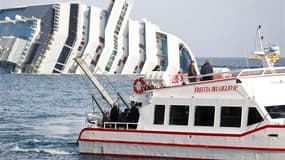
<point x="184" y="145"/>
<point x="183" y="133"/>
<point x="143" y="156"/>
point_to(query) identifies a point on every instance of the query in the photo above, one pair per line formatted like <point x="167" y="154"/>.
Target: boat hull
<point x="156" y="151"/>
<point x="152" y="144"/>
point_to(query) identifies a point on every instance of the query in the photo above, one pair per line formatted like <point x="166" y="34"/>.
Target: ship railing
<point x="260" y="71"/>
<point x="238" y="73"/>
<point x="120" y="125"/>
<point x="182" y="78"/>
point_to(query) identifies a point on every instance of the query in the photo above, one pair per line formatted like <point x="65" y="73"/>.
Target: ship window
<point x="102" y="39"/>
<point x="64" y="55"/>
<point x="253" y="116"/>
<point x="99" y="48"/>
<point x="276" y="111"/>
<point x="184" y="58"/>
<point x="159" y="114"/>
<point x="231" y="117"/>
<point x="204" y="115"/>
<point x="179" y="115"/>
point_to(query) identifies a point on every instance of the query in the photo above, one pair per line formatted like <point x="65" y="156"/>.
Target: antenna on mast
<point x="259" y="39"/>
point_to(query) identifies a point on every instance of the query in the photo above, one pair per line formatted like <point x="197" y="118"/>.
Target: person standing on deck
<point x="206" y="69"/>
<point x="114" y="113"/>
<point x="192" y="71"/>
<point x="133" y="116"/>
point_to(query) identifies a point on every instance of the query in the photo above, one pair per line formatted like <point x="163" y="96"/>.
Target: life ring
<point x="142" y="86"/>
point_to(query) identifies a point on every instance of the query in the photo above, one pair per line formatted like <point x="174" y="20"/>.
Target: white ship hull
<point x="262" y="143"/>
<point x="52" y="35"/>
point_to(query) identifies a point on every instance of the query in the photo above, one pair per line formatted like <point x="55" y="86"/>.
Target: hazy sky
<point x="209" y="27"/>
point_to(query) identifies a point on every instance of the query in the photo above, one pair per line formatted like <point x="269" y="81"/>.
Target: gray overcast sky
<point x="223" y="28"/>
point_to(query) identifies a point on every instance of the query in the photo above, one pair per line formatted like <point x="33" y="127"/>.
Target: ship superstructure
<point x="46" y="38"/>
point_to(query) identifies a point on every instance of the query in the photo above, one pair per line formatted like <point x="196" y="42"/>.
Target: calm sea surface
<point x="41" y="114"/>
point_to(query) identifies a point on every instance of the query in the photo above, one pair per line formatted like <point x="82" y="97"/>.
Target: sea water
<point x="42" y="115"/>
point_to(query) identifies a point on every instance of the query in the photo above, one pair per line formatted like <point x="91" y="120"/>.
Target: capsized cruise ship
<point x="45" y="39"/>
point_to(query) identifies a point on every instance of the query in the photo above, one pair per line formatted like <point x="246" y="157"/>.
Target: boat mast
<point x="83" y="65"/>
<point x="265" y="53"/>
<point x="259" y="38"/>
<point x="265" y="60"/>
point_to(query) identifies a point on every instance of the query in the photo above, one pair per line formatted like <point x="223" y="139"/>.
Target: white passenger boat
<point x="238" y="115"/>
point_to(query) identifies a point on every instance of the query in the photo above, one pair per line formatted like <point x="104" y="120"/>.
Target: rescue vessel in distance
<point x="236" y="115"/>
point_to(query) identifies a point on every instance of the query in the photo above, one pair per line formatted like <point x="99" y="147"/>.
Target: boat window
<point x="159" y="114"/>
<point x="276" y="111"/>
<point x="280" y="70"/>
<point x="179" y="115"/>
<point x="231" y="117"/>
<point x="204" y="115"/>
<point x="253" y="116"/>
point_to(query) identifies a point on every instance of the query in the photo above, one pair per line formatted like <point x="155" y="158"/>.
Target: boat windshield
<point x="277" y="111"/>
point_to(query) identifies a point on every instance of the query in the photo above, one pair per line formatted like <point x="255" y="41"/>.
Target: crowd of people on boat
<point x="129" y="115"/>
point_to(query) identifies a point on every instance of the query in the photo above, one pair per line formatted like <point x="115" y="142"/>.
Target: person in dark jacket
<point x="114" y="113"/>
<point x="206" y="69"/>
<point x="124" y="115"/>
<point x="133" y="116"/>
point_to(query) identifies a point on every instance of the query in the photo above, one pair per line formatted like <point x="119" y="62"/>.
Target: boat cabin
<point x="230" y="104"/>
<point x="236" y="102"/>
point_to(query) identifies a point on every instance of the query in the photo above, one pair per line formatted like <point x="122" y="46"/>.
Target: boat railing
<point x="238" y="73"/>
<point x="120" y="125"/>
<point x="260" y="71"/>
<point x="158" y="80"/>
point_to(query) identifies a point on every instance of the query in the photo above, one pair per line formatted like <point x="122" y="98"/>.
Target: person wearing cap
<point x="206" y="69"/>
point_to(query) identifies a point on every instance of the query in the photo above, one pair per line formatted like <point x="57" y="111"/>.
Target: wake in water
<point x="51" y="147"/>
<point x="38" y="150"/>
